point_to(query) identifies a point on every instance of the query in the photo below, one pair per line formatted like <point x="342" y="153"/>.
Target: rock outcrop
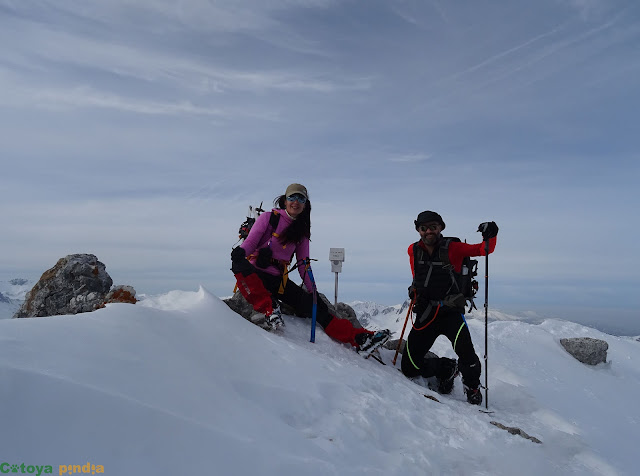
<point x="77" y="283"/>
<point x="586" y="349"/>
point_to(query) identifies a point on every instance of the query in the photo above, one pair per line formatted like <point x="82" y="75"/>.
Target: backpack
<point x="246" y="225"/>
<point x="464" y="281"/>
<point x="254" y="213"/>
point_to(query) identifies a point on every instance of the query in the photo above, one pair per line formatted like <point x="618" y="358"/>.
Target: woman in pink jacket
<point x="260" y="267"/>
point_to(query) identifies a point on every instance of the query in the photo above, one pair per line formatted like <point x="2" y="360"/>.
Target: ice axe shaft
<point x="395" y="357"/>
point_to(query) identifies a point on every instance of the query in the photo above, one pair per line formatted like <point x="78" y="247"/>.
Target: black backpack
<point x="246" y="225"/>
<point x="464" y="281"/>
<point x="254" y="213"/>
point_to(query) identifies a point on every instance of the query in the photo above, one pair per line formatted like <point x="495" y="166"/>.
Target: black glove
<point x="489" y="230"/>
<point x="264" y="258"/>
<point x="238" y="254"/>
<point x="412" y="292"/>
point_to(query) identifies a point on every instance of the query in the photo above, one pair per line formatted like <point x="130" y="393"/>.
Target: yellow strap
<point x="285" y="276"/>
<point x="283" y="283"/>
<point x="275" y="212"/>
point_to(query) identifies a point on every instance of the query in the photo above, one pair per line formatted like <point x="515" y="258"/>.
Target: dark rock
<point x="239" y="304"/>
<point x="343" y="311"/>
<point x="77" y="283"/>
<point x="393" y="345"/>
<point x="586" y="349"/>
<point x="346" y="312"/>
<point x="514" y="430"/>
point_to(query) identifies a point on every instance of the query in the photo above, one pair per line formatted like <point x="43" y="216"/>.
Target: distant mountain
<point x="12" y="294"/>
<point x="377" y="316"/>
<point x="374" y="315"/>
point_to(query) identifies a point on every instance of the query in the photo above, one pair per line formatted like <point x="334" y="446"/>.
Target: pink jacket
<point x="260" y="237"/>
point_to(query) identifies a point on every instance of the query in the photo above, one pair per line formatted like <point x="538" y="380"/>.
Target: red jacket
<point x="457" y="252"/>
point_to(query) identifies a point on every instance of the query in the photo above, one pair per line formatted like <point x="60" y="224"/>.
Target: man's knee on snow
<point x="431" y="365"/>
<point x="425" y="366"/>
<point x="446" y="368"/>
<point x="407" y="367"/>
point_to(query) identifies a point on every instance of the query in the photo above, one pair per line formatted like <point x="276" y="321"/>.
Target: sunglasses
<point x="432" y="227"/>
<point x="297" y="197"/>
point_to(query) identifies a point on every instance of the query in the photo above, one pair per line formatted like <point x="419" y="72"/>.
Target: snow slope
<point x="179" y="384"/>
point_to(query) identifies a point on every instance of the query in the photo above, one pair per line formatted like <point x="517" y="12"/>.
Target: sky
<point x="142" y="131"/>
<point x="180" y="384"/>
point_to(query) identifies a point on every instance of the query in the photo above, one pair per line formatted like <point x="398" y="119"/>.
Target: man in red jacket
<point x="439" y="306"/>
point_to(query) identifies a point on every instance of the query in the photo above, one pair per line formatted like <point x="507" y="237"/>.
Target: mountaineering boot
<point x="470" y="371"/>
<point x="446" y="375"/>
<point x="274" y="320"/>
<point x="369" y="341"/>
<point x="271" y="321"/>
<point x="474" y="396"/>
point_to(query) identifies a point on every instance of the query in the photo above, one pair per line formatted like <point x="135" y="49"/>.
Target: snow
<point x="377" y="315"/>
<point x="12" y="295"/>
<point x="180" y="384"/>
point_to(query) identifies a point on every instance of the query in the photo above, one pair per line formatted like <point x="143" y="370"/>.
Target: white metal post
<point x="336" y="256"/>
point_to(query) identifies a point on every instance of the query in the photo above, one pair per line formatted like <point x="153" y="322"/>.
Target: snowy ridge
<point x="180" y="384"/>
<point x="378" y="316"/>
<point x="12" y="295"/>
<point x="371" y="314"/>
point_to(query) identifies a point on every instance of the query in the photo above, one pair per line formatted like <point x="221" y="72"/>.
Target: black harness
<point x="435" y="279"/>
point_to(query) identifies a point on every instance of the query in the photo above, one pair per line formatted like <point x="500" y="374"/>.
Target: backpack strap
<point x="274" y="219"/>
<point x="418" y="254"/>
<point x="444" y="257"/>
<point x="281" y="264"/>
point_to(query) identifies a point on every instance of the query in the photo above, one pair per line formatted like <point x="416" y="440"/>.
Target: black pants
<point x="450" y="323"/>
<point x="296" y="297"/>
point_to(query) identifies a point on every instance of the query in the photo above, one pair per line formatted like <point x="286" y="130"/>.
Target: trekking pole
<point x="486" y="325"/>
<point x="395" y="357"/>
<point x="314" y="309"/>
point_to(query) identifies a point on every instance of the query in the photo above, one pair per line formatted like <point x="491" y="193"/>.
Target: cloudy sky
<point x="140" y="131"/>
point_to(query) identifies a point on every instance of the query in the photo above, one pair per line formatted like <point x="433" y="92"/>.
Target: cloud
<point x="52" y="51"/>
<point x="143" y="129"/>
<point x="410" y="158"/>
<point x="588" y="9"/>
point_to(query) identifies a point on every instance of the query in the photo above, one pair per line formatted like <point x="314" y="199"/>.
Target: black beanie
<point x="428" y="216"/>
